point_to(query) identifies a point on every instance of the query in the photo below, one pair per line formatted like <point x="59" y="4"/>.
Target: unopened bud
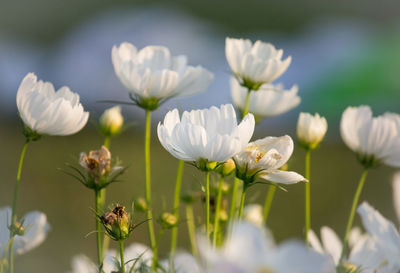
<point x="168" y="220"/>
<point x="111" y="121"/>
<point x="117" y="223"/>
<point x="311" y="130"/>
<point x="140" y="204"/>
<point x="17" y="229"/>
<point x="226" y="168"/>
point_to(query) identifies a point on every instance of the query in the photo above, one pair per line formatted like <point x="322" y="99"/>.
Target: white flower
<point x="253" y="213"/>
<point x="35" y="225"/>
<point x="250" y="249"/>
<point x="396" y="194"/>
<point x="270" y="100"/>
<point x="262" y="159"/>
<point x="210" y="135"/>
<point x="384" y="232"/>
<point x="254" y="65"/>
<point x="311" y="129"/>
<point x="374" y="139"/>
<point x="111" y="121"/>
<point x="45" y="111"/>
<point x="152" y="74"/>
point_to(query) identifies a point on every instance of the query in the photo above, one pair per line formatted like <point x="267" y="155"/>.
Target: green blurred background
<point x="344" y="53"/>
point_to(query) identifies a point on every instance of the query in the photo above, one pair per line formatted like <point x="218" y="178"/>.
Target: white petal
<point x="331" y="243"/>
<point x="396" y="194"/>
<point x="282" y="177"/>
<point x="314" y="242"/>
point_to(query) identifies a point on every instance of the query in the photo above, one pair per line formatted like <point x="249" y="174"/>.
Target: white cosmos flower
<point x="152" y="74"/>
<point x="250" y="249"/>
<point x="311" y="129"/>
<point x="36" y="229"/>
<point x="254" y="65"/>
<point x="210" y="135"/>
<point x="384" y="232"/>
<point x="374" y="139"/>
<point x="262" y="159"/>
<point x="111" y="121"/>
<point x="270" y="100"/>
<point x="46" y="111"/>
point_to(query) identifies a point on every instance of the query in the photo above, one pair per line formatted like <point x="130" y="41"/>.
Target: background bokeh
<point x="344" y="53"/>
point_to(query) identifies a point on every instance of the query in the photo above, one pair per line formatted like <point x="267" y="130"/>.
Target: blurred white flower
<point x="35" y="226"/>
<point x="254" y="65"/>
<point x="262" y="159"/>
<point x="384" y="232"/>
<point x="396" y="194"/>
<point x="203" y="136"/>
<point x="111" y="121"/>
<point x="250" y="249"/>
<point x="374" y="139"/>
<point x="153" y="75"/>
<point x="45" y="111"/>
<point x="270" y="100"/>
<point x="253" y="213"/>
<point x="311" y="129"/>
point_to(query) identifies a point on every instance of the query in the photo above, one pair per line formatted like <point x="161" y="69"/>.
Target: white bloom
<point x="152" y="74"/>
<point x="45" y="111"/>
<point x="311" y="129"/>
<point x="210" y="134"/>
<point x="254" y="65"/>
<point x="253" y="213"/>
<point x="384" y="232"/>
<point x="270" y="100"/>
<point x="262" y="159"/>
<point x="374" y="139"/>
<point x="112" y="120"/>
<point x="36" y="229"/>
<point x="250" y="249"/>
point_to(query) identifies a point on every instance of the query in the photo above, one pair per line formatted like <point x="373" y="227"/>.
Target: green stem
<point x="3" y="256"/>
<point x="217" y="211"/>
<point x="246" y="106"/>
<point x="191" y="228"/>
<point x="242" y="198"/>
<point x="150" y="224"/>
<point x="177" y="195"/>
<point x="268" y="202"/>
<point x="98" y="227"/>
<point x="14" y="207"/>
<point x="121" y="254"/>
<point x="107" y="140"/>
<point x="106" y="239"/>
<point x="307" y="195"/>
<point x="232" y="210"/>
<point x="208" y="204"/>
<point x="353" y="211"/>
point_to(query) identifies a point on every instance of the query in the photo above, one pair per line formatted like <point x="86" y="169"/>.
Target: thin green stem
<point x="208" y="204"/>
<point x="232" y="211"/>
<point x="268" y="203"/>
<point x="177" y="198"/>
<point x="150" y="224"/>
<point x="121" y="254"/>
<point x="353" y="211"/>
<point x="246" y="106"/>
<point x="217" y="211"/>
<point x="242" y="199"/>
<point x="191" y="228"/>
<point x="14" y="207"/>
<point x="98" y="227"/>
<point x="107" y="140"/>
<point x="106" y="239"/>
<point x="3" y="256"/>
<point x="307" y="195"/>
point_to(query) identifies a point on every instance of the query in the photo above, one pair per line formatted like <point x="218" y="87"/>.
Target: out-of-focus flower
<point x="205" y="136"/>
<point x="250" y="249"/>
<point x="374" y="139"/>
<point x="117" y="223"/>
<point x="396" y="194"/>
<point x="35" y="227"/>
<point x="45" y="111"/>
<point x="262" y="159"/>
<point x="254" y="65"/>
<point x="384" y="233"/>
<point x="270" y="100"/>
<point x="152" y="75"/>
<point x="168" y="220"/>
<point x="311" y="129"/>
<point x="111" y="121"/>
<point x="253" y="213"/>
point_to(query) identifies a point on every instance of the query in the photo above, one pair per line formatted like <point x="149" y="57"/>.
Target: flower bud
<point x="97" y="163"/>
<point x="117" y="223"/>
<point x="311" y="130"/>
<point x="111" y="121"/>
<point x="226" y="168"/>
<point x="168" y="220"/>
<point x="140" y="204"/>
<point x="17" y="229"/>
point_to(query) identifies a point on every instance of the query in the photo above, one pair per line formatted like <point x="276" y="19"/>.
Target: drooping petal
<point x="331" y="243"/>
<point x="282" y="177"/>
